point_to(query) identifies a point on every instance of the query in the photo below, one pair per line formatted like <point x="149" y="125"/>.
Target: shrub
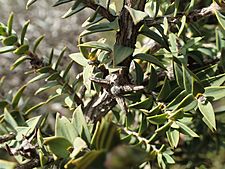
<point x="144" y="97"/>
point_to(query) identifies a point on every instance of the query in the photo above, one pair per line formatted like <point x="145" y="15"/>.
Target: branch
<point x="7" y="137"/>
<point x="30" y="164"/>
<point x="102" y="11"/>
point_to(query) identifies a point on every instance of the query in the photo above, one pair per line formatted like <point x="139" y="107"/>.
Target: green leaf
<point x="10" y="40"/>
<point x="166" y="25"/>
<point x="87" y="74"/>
<point x="158" y="119"/>
<point x="10" y="23"/>
<point x="52" y="97"/>
<point x="46" y="87"/>
<point x="144" y="30"/>
<point x="215" y="92"/>
<point x="145" y="104"/>
<point x="173" y="44"/>
<point x="190" y="43"/>
<point x="214" y="80"/>
<point x="58" y="146"/>
<point x="183" y="22"/>
<point x="3" y="104"/>
<point x="80" y="124"/>
<point x="149" y="58"/>
<point x="7" y="49"/>
<point x="220" y="18"/>
<point x="77" y="7"/>
<point x="96" y="45"/>
<point x="101" y="27"/>
<point x="60" y="58"/>
<point x="23" y="33"/>
<point x="3" y="30"/>
<point x="17" y="96"/>
<point x="136" y="15"/>
<point x="168" y="158"/>
<point x="19" y="61"/>
<point x="29" y="3"/>
<point x="173" y="137"/>
<point x="21" y="50"/>
<point x="165" y="90"/>
<point x="152" y="83"/>
<point x="7" y="164"/>
<point x="88" y="160"/>
<point x="79" y="58"/>
<point x="60" y="2"/>
<point x="120" y="53"/>
<point x="79" y="144"/>
<point x="178" y="74"/>
<point x="51" y="56"/>
<point x="37" y="42"/>
<point x="9" y="119"/>
<point x="38" y="77"/>
<point x="187" y="80"/>
<point x="69" y="66"/>
<point x="208" y="113"/>
<point x="45" y="69"/>
<point x="53" y="77"/>
<point x="188" y="103"/>
<point x="186" y="129"/>
<point x="177" y="114"/>
<point x="164" y="128"/>
<point x="64" y="128"/>
<point x="177" y="100"/>
<point x="106" y="136"/>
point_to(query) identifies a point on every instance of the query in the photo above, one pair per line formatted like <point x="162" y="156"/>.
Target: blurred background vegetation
<point x="45" y="20"/>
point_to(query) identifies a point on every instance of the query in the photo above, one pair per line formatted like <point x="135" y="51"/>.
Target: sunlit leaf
<point x="208" y="113"/>
<point x="136" y="15"/>
<point x="58" y="146"/>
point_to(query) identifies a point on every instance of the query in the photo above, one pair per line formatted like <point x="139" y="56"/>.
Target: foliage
<point x="145" y="96"/>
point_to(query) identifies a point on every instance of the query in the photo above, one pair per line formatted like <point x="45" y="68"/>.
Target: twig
<point x="30" y="164"/>
<point x="7" y="137"/>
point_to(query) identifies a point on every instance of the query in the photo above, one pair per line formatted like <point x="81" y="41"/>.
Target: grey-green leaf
<point x="120" y="53"/>
<point x="79" y="58"/>
<point x="215" y="92"/>
<point x="7" y="49"/>
<point x="136" y="15"/>
<point x="149" y="58"/>
<point x="186" y="129"/>
<point x="208" y="113"/>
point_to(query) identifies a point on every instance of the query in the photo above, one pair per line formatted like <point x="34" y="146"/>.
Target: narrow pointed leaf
<point x="79" y="58"/>
<point x="37" y="42"/>
<point x="208" y="113"/>
<point x="186" y="129"/>
<point x="17" y="96"/>
<point x="19" y="61"/>
<point x="120" y="53"/>
<point x="21" y="50"/>
<point x="7" y="49"/>
<point x="136" y="15"/>
<point x="9" y="41"/>
<point x="149" y="58"/>
<point x="24" y="31"/>
<point x="10" y="23"/>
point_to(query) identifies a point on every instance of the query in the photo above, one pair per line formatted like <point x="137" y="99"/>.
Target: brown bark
<point x="128" y="33"/>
